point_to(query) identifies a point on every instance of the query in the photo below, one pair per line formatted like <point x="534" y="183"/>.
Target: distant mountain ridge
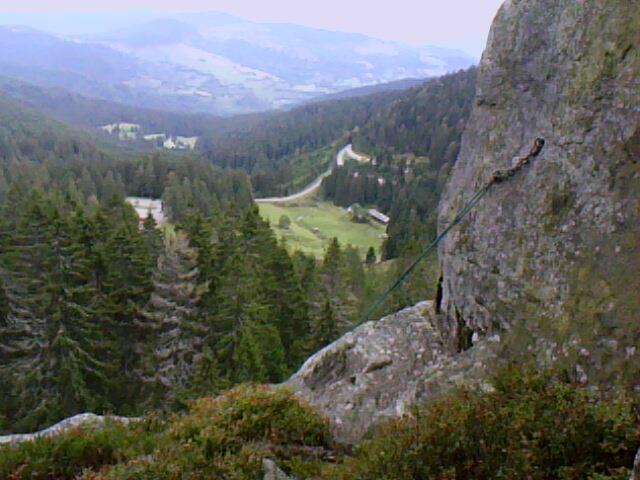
<point x="215" y="63"/>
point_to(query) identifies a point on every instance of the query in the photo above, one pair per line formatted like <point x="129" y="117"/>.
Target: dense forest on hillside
<point x="36" y="151"/>
<point x="99" y="313"/>
<point x="265" y="149"/>
<point x="413" y="134"/>
<point x="96" y="314"/>
<point x="91" y="113"/>
<point x="414" y="140"/>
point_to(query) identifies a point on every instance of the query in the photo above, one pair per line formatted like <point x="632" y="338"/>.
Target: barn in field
<point x="379" y="216"/>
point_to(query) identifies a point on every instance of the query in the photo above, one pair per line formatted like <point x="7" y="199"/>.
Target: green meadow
<point x="315" y="223"/>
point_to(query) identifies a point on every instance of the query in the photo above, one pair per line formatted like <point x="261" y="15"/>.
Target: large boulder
<point x="552" y="255"/>
<point x="381" y="369"/>
<point x="545" y="268"/>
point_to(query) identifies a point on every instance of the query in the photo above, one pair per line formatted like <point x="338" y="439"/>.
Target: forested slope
<point x="265" y="149"/>
<point x="87" y="112"/>
<point x="38" y="152"/>
<point x="415" y="141"/>
<point x="98" y="312"/>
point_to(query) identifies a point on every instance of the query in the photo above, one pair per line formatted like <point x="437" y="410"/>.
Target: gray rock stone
<point x="80" y="420"/>
<point x="545" y="267"/>
<point x="553" y="254"/>
<point x="271" y="471"/>
<point x="635" y="475"/>
<point x="381" y="369"/>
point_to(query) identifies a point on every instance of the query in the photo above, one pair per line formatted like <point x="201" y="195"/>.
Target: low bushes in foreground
<point x="529" y="426"/>
<point x="225" y="437"/>
<point x="66" y="456"/>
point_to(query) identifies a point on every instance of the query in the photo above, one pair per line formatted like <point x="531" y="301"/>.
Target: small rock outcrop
<point x="553" y="254"/>
<point x="635" y="475"/>
<point x="271" y="471"/>
<point x="381" y="369"/>
<point x="81" y="420"/>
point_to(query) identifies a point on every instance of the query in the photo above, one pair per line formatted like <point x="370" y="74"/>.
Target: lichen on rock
<point x="550" y="258"/>
<point x="382" y="369"/>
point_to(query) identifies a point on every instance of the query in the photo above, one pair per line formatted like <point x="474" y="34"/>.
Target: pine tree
<point x="260" y="356"/>
<point x="284" y="294"/>
<point x="173" y="316"/>
<point x="50" y="345"/>
<point x="325" y="327"/>
<point x="241" y="299"/>
<point x="125" y="270"/>
<point x="371" y="256"/>
<point x="336" y="286"/>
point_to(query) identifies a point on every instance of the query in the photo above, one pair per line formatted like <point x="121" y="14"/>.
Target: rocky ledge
<point x="80" y="420"/>
<point x="381" y="369"/>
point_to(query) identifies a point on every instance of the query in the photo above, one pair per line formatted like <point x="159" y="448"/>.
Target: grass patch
<point x="329" y="220"/>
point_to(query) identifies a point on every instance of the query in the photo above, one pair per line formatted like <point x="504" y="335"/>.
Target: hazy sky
<point x="455" y="23"/>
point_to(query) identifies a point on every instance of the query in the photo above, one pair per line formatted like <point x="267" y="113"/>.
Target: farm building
<point x="378" y="216"/>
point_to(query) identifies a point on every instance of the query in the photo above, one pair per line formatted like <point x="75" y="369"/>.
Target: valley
<point x="312" y="223"/>
<point x="239" y="249"/>
<point x="313" y="187"/>
<point x="213" y="63"/>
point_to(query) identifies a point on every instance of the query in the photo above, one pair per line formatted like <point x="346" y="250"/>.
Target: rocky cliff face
<point x="553" y="255"/>
<point x="546" y="267"/>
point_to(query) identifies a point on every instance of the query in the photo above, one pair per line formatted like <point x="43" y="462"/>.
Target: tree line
<point x="266" y="148"/>
<point x="414" y="142"/>
<point x="99" y="314"/>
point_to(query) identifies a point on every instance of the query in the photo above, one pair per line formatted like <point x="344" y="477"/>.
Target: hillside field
<point x="331" y="221"/>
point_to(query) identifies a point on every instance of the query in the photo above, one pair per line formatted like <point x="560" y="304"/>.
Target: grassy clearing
<point x="329" y="220"/>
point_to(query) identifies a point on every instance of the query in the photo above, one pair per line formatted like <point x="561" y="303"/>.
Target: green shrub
<point x="531" y="426"/>
<point x="227" y="437"/>
<point x="66" y="456"/>
<point x="284" y="222"/>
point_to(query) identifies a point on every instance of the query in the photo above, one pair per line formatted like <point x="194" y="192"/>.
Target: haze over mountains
<point x="210" y="62"/>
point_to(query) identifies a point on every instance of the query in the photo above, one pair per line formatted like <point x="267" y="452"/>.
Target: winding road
<point x="346" y="151"/>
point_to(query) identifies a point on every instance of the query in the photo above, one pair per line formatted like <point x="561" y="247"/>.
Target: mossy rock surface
<point x="556" y="249"/>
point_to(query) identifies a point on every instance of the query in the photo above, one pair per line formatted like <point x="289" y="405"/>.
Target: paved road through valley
<point x="346" y="151"/>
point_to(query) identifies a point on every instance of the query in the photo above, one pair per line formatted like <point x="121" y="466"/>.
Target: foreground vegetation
<point x="529" y="426"/>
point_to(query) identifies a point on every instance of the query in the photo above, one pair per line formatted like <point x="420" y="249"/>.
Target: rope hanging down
<point x="498" y="176"/>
